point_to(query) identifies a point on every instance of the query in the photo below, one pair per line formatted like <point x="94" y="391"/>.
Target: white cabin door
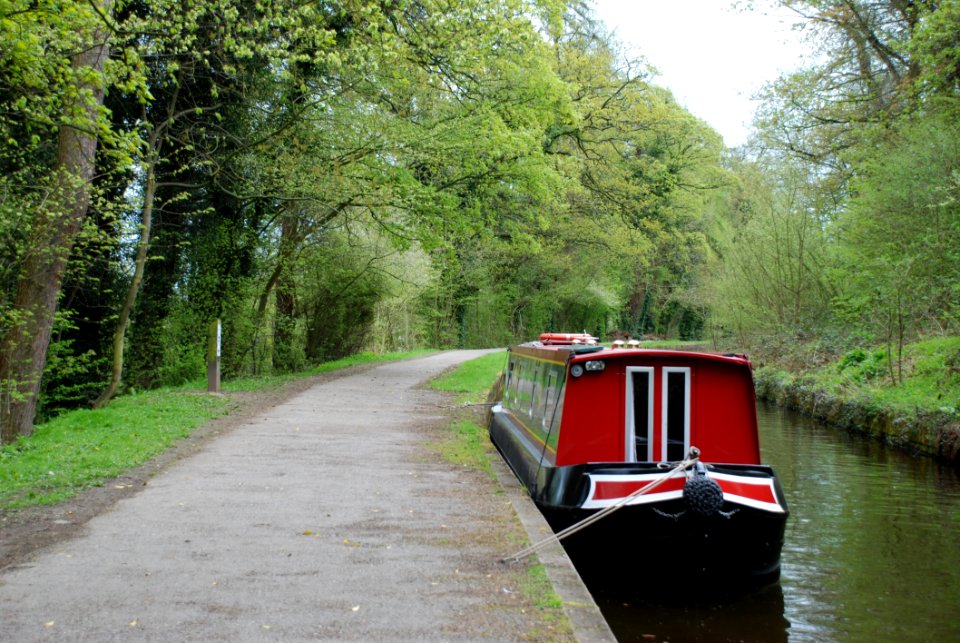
<point x="657" y="417"/>
<point x="639" y="415"/>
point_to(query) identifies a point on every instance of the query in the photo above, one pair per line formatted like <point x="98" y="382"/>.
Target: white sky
<point x="713" y="57"/>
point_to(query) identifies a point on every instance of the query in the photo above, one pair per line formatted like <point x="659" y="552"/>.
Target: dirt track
<point x="326" y="516"/>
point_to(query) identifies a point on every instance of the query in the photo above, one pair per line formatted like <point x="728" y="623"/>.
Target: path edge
<point x="582" y="611"/>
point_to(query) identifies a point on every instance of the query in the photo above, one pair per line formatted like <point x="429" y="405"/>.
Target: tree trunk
<point x="283" y="352"/>
<point x="140" y="263"/>
<point x="119" y="335"/>
<point x="23" y="349"/>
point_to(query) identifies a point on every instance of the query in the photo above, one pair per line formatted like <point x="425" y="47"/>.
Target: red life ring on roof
<point x="567" y="338"/>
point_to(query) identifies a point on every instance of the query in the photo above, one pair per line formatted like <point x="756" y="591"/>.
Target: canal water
<point x="872" y="552"/>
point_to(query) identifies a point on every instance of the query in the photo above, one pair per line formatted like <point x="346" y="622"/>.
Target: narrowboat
<point x="587" y="428"/>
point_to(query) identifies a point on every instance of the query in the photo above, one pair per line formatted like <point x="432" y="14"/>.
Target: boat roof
<point x="583" y="353"/>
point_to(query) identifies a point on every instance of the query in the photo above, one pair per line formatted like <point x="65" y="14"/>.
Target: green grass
<point x="537" y="586"/>
<point x="472" y="380"/>
<point x="85" y="448"/>
<point x="468" y="446"/>
<point x="467" y="442"/>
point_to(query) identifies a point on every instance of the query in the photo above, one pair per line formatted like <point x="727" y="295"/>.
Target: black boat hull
<point x="667" y="544"/>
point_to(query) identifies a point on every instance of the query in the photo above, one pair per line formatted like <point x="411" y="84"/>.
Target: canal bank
<point x="924" y="431"/>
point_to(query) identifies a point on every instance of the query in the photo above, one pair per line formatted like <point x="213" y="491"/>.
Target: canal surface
<point x="872" y="552"/>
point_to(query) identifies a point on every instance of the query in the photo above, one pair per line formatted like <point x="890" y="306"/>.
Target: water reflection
<point x="702" y="614"/>
<point x="873" y="544"/>
<point x="872" y="551"/>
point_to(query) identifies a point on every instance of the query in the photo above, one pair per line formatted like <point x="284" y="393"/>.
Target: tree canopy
<point x="869" y="134"/>
<point x="335" y="176"/>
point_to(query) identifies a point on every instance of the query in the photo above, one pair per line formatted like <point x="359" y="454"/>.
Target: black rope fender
<point x="702" y="494"/>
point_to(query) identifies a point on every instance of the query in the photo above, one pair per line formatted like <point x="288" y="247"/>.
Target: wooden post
<point x="213" y="357"/>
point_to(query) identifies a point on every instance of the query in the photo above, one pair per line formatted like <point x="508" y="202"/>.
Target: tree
<point x="203" y="57"/>
<point x="644" y="169"/>
<point x="870" y="129"/>
<point x="863" y="76"/>
<point x="775" y="260"/>
<point x="900" y="235"/>
<point x="56" y="221"/>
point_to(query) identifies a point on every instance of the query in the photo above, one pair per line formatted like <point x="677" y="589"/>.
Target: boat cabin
<point x="581" y="403"/>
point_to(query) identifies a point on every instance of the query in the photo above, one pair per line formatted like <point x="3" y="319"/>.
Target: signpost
<point x="213" y="357"/>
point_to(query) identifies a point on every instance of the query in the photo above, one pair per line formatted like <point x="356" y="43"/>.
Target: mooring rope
<point x="606" y="511"/>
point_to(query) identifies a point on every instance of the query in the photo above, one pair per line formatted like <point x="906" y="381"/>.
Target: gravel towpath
<point x="328" y="516"/>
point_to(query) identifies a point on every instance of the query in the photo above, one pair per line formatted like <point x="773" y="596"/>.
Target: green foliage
<point x="774" y="265"/>
<point x="70" y="377"/>
<point x="843" y="231"/>
<point x="862" y="365"/>
<point x="901" y="233"/>
<point x="936" y="47"/>
<point x="341" y="284"/>
<point x="329" y="179"/>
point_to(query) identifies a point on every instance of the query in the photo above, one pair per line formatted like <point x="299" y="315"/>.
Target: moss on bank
<point x="915" y="405"/>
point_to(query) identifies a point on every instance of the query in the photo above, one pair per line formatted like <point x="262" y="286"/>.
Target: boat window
<point x="639" y="438"/>
<point x="511" y="381"/>
<point x="534" y="389"/>
<point x="518" y="383"/>
<point x="524" y="392"/>
<point x="556" y="408"/>
<point x="676" y="413"/>
<point x="549" y="398"/>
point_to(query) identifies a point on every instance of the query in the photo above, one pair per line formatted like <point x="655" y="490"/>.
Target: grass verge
<point x="472" y="380"/>
<point x="467" y="444"/>
<point x="85" y="448"/>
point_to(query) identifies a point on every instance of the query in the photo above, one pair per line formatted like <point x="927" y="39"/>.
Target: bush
<point x="862" y="365"/>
